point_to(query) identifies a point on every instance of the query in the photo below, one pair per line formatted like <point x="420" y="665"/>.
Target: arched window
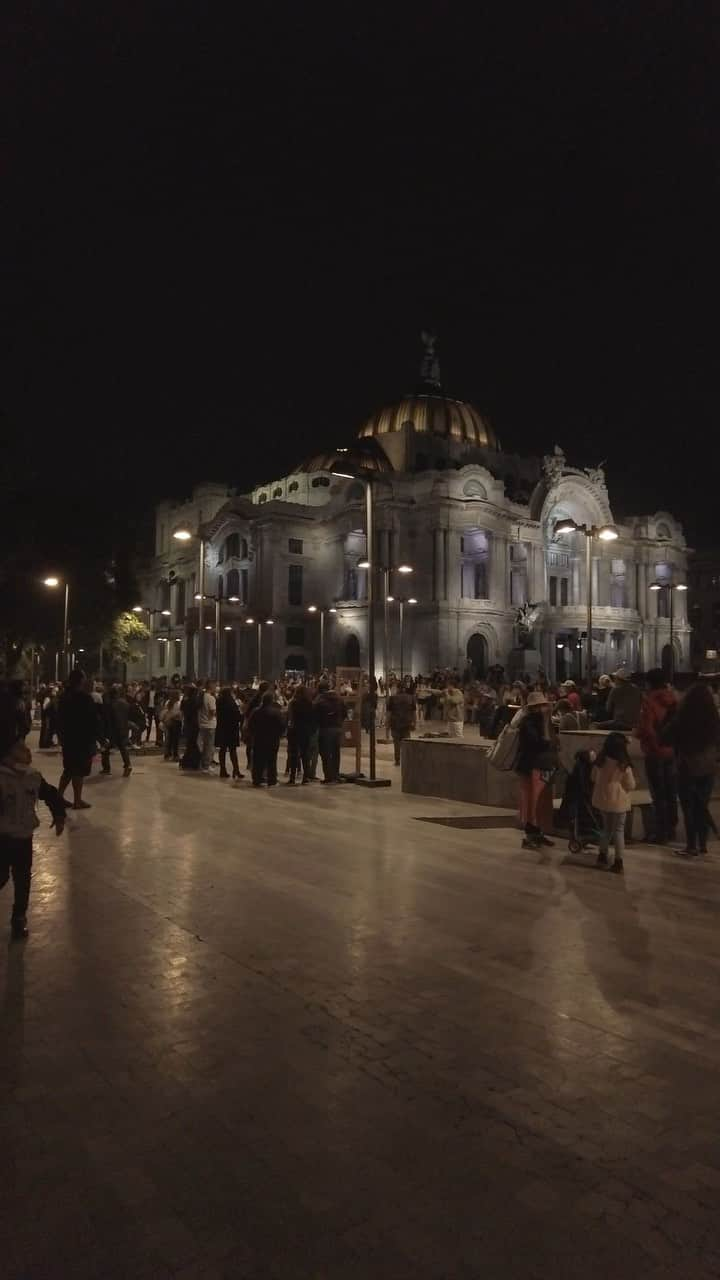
<point x="663" y="531"/>
<point x="243" y="549"/>
<point x="277" y="493"/>
<point x="232" y="546"/>
<point x="320" y="482"/>
<point x="233" y="583"/>
<point x="262" y="498"/>
<point x="293" y="486"/>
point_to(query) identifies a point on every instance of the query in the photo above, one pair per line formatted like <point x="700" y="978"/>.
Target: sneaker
<point x="127" y="771"/>
<point x="18" y="927"/>
<point x="685" y="853"/>
<point x="531" y="842"/>
<point x="601" y="860"/>
<point x="617" y="867"/>
<point x="224" y="773"/>
<point x="237" y="776"/>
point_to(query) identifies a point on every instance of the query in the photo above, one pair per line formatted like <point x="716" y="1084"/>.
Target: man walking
<point x="330" y="712"/>
<point x="401" y="718"/>
<point x="207" y="724"/>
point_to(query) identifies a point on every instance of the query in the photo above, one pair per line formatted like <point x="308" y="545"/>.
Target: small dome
<point x="434" y="414"/>
<point x="366" y="455"/>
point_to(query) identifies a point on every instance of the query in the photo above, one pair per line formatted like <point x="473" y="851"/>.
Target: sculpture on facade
<point x="525" y="619"/>
<point x="553" y="465"/>
<point x="596" y="475"/>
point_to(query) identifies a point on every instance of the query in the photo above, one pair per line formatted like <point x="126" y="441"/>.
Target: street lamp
<point x="313" y="608"/>
<point x="183" y="534"/>
<point x="164" y="613"/>
<point x="672" y="588"/>
<point x="269" y="622"/>
<point x="606" y="533"/>
<point x="366" y="478"/>
<point x="55" y="582"/>
<point x="402" y="601"/>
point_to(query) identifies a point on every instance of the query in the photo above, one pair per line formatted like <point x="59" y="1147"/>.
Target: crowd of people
<point x="203" y="727"/>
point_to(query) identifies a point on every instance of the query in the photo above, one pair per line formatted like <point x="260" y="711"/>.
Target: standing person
<point x="454" y="708"/>
<point x="401" y="718"/>
<point x="694" y="732"/>
<point x="137" y="719"/>
<point x="189" y="708"/>
<point x="571" y="695"/>
<point x="265" y="732"/>
<point x="20" y="789"/>
<point x="49" y="717"/>
<point x="207" y="724"/>
<point x="227" y="732"/>
<point x="78" y="724"/>
<point x="613" y="780"/>
<point x="252" y="703"/>
<point x="330" y="711"/>
<point x="117" y="726"/>
<point x="624" y="704"/>
<point x="171" y="719"/>
<point x="302" y="734"/>
<point x="658" y="705"/>
<point x="535" y="766"/>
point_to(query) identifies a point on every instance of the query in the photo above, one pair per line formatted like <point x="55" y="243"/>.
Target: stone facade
<point x="476" y="524"/>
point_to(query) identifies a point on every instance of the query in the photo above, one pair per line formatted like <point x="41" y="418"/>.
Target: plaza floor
<point x="307" y="1034"/>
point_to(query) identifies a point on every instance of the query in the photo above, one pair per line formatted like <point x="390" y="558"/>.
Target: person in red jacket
<point x="658" y="707"/>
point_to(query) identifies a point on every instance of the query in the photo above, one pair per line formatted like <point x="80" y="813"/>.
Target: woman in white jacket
<point x="613" y="780"/>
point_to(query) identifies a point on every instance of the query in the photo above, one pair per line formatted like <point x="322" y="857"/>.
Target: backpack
<point x="504" y="752"/>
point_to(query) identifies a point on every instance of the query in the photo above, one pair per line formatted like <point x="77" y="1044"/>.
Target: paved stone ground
<point x="300" y="1034"/>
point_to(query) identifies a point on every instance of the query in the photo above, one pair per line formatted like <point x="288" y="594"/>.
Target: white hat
<point x="568" y="684"/>
<point x="537" y="699"/>
<point x="604" y="681"/>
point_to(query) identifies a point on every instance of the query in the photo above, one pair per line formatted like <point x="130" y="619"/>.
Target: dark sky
<point x="228" y="224"/>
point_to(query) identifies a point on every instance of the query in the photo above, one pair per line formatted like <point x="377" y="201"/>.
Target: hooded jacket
<point x="656" y="707"/>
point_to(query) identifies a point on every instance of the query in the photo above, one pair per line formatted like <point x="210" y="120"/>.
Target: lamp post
<point x="269" y="622"/>
<point x="164" y="613"/>
<point x="313" y="608"/>
<point x="366" y="478"/>
<point x="606" y="533"/>
<point x="402" y="603"/>
<point x="55" y="582"/>
<point x="183" y="534"/>
<point x="672" y="588"/>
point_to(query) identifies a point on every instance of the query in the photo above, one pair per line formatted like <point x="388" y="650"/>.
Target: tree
<point x="121" y="639"/>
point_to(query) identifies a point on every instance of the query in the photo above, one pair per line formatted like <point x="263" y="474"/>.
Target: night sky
<point x="228" y="225"/>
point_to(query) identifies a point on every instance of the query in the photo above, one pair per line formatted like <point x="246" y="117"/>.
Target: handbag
<point x="504" y="752"/>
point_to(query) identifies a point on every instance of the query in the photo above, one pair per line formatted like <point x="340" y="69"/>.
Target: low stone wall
<point x="455" y="770"/>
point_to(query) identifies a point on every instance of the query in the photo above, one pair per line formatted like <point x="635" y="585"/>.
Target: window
<point x="295" y="584"/>
<point x="162" y="648"/>
<point x="295" y="636"/>
<point x="295" y="547"/>
<point x="277" y="493"/>
<point x="293" y="486"/>
<point x="243" y="549"/>
<point x="233" y="583"/>
<point x="320" y="482"/>
<point x="517" y="587"/>
<point x="563" y="590"/>
<point x="221" y="554"/>
<point x="177" y="646"/>
<point x="164" y="594"/>
<point x="553" y="591"/>
<point x="263" y="498"/>
<point x="244" y="585"/>
<point x="180" y="601"/>
<point x="351" y="584"/>
<point x="663" y="602"/>
<point x="481" y="589"/>
<point x="232" y="546"/>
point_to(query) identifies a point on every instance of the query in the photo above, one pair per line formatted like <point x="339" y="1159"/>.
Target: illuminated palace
<point x="479" y="527"/>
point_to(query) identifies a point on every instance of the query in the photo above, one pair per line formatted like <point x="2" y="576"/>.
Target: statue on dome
<point x="553" y="465"/>
<point x="430" y="368"/>
<point x="596" y="475"/>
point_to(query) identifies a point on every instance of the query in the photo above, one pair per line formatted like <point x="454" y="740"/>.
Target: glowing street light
<point x="606" y="533"/>
<point x="52" y="582"/>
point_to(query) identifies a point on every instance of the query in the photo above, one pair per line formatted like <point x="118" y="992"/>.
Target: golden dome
<point x="364" y="456"/>
<point x="435" y="415"/>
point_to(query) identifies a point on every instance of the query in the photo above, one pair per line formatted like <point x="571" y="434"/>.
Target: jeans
<point x="206" y="745"/>
<point x="662" y="781"/>
<point x="16" y="857"/>
<point x="329" y="743"/>
<point x="397" y="738"/>
<point x="613" y="832"/>
<point x="223" y="753"/>
<point x="694" y="797"/>
<point x="124" y="756"/>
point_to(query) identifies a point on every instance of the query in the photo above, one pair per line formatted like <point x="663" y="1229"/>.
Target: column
<point x="498" y="584"/>
<point x="445" y="564"/>
<point x="595" y="580"/>
<point x="437" y="564"/>
<point x="578" y="579"/>
<point x="537" y="583"/>
<point x="642" y="590"/>
<point x="453" y="590"/>
<point x="604" y="568"/>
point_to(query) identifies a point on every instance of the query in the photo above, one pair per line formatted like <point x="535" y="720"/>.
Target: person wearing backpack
<point x="535" y="765"/>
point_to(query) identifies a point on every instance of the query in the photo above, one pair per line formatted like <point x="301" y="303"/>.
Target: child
<point x="20" y="789"/>
<point x="613" y="780"/>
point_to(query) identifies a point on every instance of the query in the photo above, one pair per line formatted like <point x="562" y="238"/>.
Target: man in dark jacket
<point x="117" y="727"/>
<point x="265" y="731"/>
<point x="401" y="718"/>
<point x="330" y="712"/>
<point x="658" y="708"/>
<point x="78" y="724"/>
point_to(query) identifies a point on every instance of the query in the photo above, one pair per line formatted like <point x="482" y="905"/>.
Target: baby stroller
<point x="576" y="811"/>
